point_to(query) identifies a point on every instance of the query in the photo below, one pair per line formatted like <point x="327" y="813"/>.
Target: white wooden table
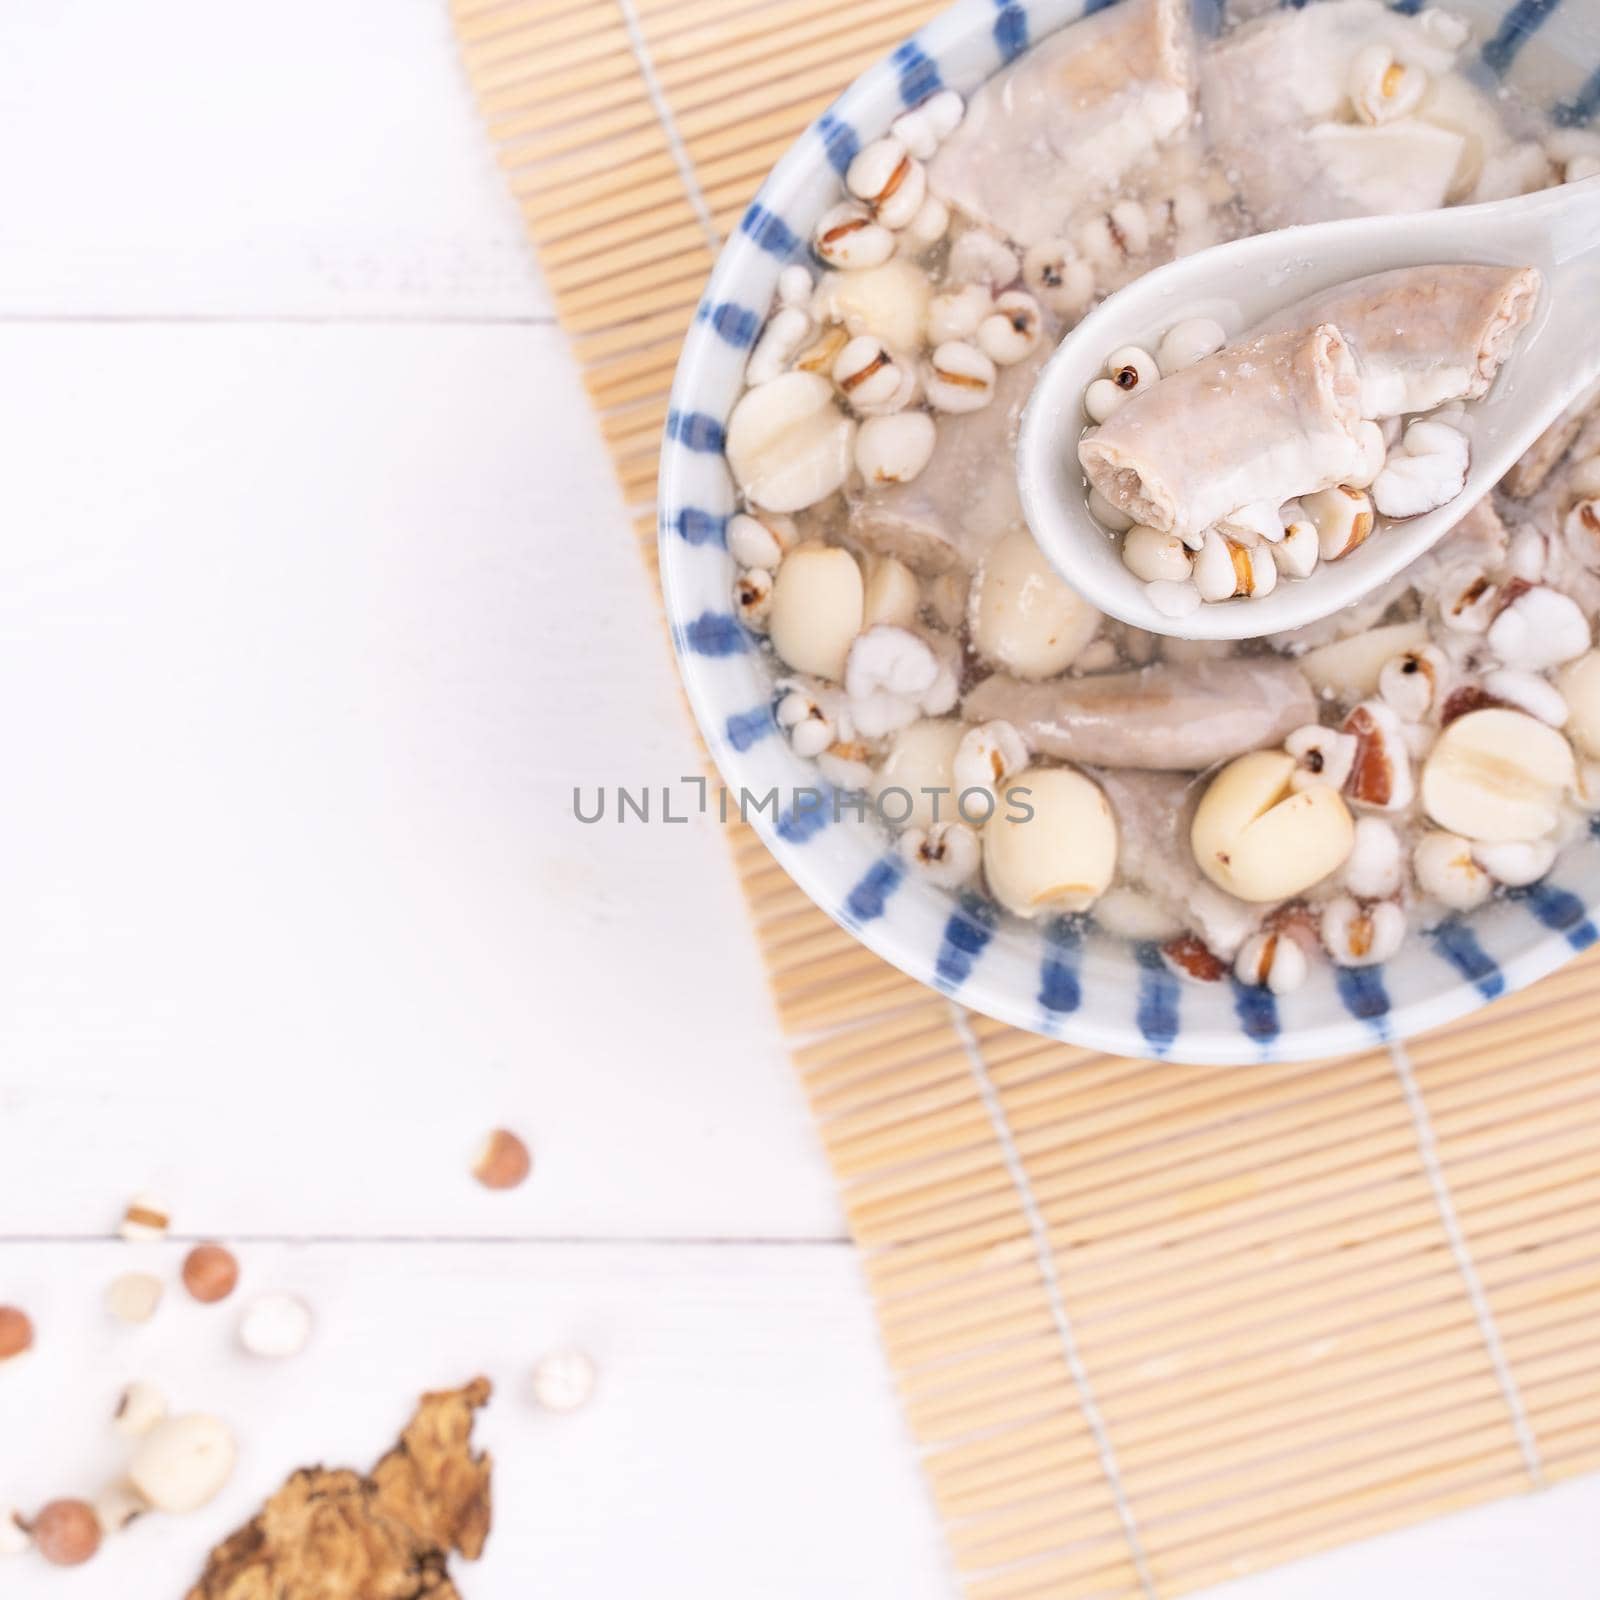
<point x="316" y="601"/>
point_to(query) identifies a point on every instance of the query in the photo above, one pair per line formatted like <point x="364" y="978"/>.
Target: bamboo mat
<point x="1152" y="1326"/>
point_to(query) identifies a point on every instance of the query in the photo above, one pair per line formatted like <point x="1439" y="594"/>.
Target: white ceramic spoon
<point x="1240" y="285"/>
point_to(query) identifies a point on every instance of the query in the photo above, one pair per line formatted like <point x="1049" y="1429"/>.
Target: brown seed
<point x="1190" y="955"/>
<point x="210" y="1273"/>
<point x="16" y="1331"/>
<point x="1469" y="697"/>
<point x="1371" y="778"/>
<point x="66" y="1532"/>
<point x="503" y="1162"/>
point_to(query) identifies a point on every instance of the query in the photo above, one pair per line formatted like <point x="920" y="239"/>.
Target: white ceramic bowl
<point x="1062" y="978"/>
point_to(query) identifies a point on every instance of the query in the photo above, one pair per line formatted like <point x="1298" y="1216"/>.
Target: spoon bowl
<point x="1242" y="284"/>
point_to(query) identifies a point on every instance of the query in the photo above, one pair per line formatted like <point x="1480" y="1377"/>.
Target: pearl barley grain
<point x="14" y="1537"/>
<point x="564" y="1380"/>
<point x="895" y="449"/>
<point x="960" y="378"/>
<point x="117" y="1505"/>
<point x="140" y="1407"/>
<point x="275" y="1326"/>
<point x="1059" y="276"/>
<point x="1156" y="557"/>
<point x="1133" y="370"/>
<point x="1108" y="515"/>
<point x="1175" y="600"/>
<point x="848" y="237"/>
<point x="958" y="313"/>
<point x="1013" y="331"/>
<point x="1102" y="399"/>
<point x="1188" y="342"/>
<point x="144" y="1220"/>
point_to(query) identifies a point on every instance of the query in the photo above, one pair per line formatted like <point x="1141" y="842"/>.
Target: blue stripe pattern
<point x="1581" y="108"/>
<point x="966" y="935"/>
<point x="1010" y="30"/>
<point x="840" y="139"/>
<point x="919" y="77"/>
<point x="695" y="526"/>
<point x="970" y="928"/>
<point x="735" y="324"/>
<point x="746" y="728"/>
<point x="804" y="820"/>
<point x="1458" y="944"/>
<point x="866" y="901"/>
<point x="1060" y="991"/>
<point x="1157" y="1015"/>
<point x="1521" y="22"/>
<point x="1559" y="910"/>
<point x="695" y="431"/>
<point x="715" y="633"/>
<point x="1364" y="996"/>
<point x="1257" y="1009"/>
<point x="770" y="231"/>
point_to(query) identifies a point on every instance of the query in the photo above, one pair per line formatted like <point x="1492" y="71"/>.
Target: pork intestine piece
<point x="1424" y="336"/>
<point x="1273" y="98"/>
<point x="1065" y="124"/>
<point x="965" y="500"/>
<point x="1266" y="420"/>
<point x="1164" y="718"/>
<point x="1576" y="429"/>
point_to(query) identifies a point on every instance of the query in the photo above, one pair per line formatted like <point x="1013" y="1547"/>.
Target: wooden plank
<point x="291" y="618"/>
<point x="321" y="159"/>
<point x="742" y="1438"/>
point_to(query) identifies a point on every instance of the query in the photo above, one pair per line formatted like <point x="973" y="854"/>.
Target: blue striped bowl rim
<point x="1063" y="979"/>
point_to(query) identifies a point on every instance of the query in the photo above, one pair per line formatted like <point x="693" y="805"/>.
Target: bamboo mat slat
<point x="1152" y="1327"/>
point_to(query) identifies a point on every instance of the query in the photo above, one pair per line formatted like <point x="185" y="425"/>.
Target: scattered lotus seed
<point x="182" y="1463"/>
<point x="563" y="1381"/>
<point x="133" y="1296"/>
<point x="275" y="1326"/>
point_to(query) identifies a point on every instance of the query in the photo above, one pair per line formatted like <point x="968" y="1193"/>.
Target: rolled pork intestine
<point x="1423" y="337"/>
<point x="1261" y="421"/>
<point x="1107" y="149"/>
<point x="1072" y="122"/>
<point x="1278" y="415"/>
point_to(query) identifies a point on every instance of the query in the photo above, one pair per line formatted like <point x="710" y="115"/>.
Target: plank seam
<point x="1428" y="1150"/>
<point x="669" y="125"/>
<point x="1055" y="1297"/>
